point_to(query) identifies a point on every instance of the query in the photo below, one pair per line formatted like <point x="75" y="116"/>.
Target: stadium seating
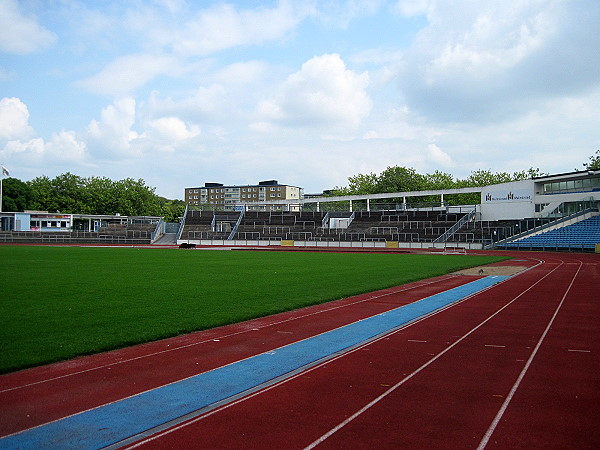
<point x="581" y="235"/>
<point x="364" y="226"/>
<point x="380" y="226"/>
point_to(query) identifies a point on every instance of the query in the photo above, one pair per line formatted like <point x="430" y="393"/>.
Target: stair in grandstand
<point x="166" y="239"/>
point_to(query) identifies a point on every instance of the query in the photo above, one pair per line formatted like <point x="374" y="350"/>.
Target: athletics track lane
<point x="37" y="396"/>
<point x="569" y="358"/>
<point x="440" y="383"/>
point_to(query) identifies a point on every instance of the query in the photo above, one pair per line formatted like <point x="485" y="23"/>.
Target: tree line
<point x="72" y="194"/>
<point x="406" y="179"/>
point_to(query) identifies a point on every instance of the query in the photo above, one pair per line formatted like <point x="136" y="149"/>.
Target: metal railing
<point x="158" y="231"/>
<point x="182" y="223"/>
<point x="237" y="224"/>
<point x="457" y="226"/>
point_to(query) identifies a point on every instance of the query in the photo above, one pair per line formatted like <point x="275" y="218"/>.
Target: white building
<point x="548" y="196"/>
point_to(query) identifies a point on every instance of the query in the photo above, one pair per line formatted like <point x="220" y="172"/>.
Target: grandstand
<point x="419" y="228"/>
<point x="43" y="227"/>
<point x="533" y="213"/>
<point x="584" y="235"/>
<point x="507" y="212"/>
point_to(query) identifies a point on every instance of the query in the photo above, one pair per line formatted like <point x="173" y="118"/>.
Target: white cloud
<point x="65" y="146"/>
<point x="241" y="73"/>
<point x="21" y="34"/>
<point x="226" y="94"/>
<point x="223" y="26"/>
<point x="206" y="104"/>
<point x="14" y="119"/>
<point x="173" y="129"/>
<point x="20" y="146"/>
<point x="323" y="93"/>
<point x="493" y="60"/>
<point x="498" y="85"/>
<point x="31" y="150"/>
<point x="411" y="8"/>
<point x="127" y="73"/>
<point x="341" y="13"/>
<point x="437" y="156"/>
<point x="112" y="134"/>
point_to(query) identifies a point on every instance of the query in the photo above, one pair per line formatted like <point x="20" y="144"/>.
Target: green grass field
<point x="60" y="302"/>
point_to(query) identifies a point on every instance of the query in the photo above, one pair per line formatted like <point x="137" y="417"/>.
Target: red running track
<point x="33" y="397"/>
<point x="513" y="367"/>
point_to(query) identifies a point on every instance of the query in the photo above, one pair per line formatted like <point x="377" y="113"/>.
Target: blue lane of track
<point x="120" y="420"/>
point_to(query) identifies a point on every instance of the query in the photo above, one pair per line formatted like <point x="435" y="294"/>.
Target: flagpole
<point x="4" y="171"/>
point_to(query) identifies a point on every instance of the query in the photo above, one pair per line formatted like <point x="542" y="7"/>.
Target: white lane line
<point x="495" y="346"/>
<point x="511" y="394"/>
<point x="160" y="352"/>
<point x="386" y="336"/>
<point x="415" y="340"/>
<point x="271" y="352"/>
<point x="404" y="380"/>
<point x="580" y="351"/>
<point x="363" y="346"/>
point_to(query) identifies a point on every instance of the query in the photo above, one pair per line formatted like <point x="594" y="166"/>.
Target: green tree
<point x="64" y="193"/>
<point x="70" y="193"/>
<point x="100" y="194"/>
<point x="172" y="209"/>
<point x="363" y="184"/>
<point x="403" y="179"/>
<point x="594" y="163"/>
<point x="439" y="180"/>
<point x="16" y="195"/>
<point x="137" y="199"/>
<point x="42" y="193"/>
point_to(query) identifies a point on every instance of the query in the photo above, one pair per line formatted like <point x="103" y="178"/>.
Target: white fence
<point x="330" y="244"/>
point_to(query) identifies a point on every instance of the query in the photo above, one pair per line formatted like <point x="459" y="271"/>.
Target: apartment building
<point x="219" y="196"/>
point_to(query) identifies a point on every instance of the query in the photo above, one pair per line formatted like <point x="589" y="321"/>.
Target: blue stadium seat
<point x="584" y="234"/>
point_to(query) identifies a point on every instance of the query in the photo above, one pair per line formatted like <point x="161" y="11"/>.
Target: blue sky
<point x="179" y="93"/>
